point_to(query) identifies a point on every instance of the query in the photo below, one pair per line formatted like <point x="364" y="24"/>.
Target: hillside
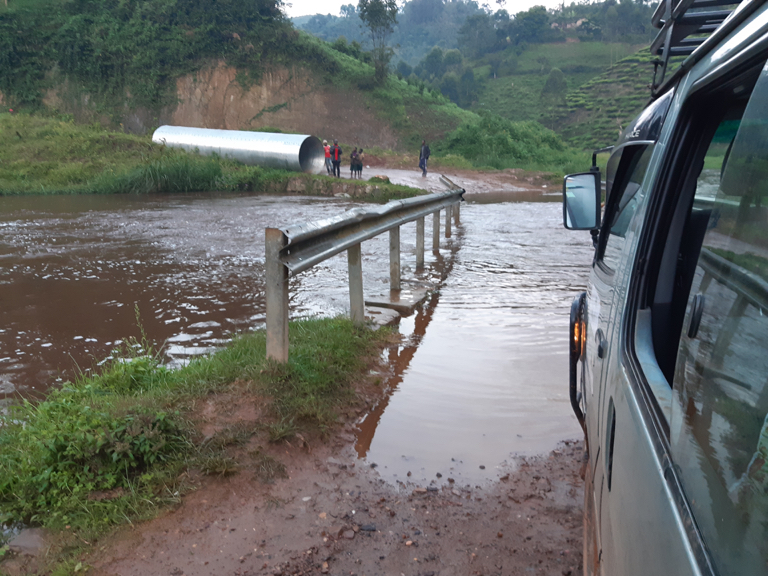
<point x="512" y="84"/>
<point x="601" y="88"/>
<point x="142" y="63"/>
<point x="595" y="114"/>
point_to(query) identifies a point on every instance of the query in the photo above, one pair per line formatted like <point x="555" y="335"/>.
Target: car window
<point x="719" y="423"/>
<point x="624" y="177"/>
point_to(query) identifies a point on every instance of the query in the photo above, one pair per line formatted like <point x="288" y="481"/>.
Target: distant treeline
<point x="475" y="31"/>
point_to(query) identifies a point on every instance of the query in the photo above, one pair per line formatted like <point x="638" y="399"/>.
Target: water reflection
<point x="482" y="372"/>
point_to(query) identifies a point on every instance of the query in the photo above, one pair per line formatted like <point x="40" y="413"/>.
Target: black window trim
<point x="604" y="270"/>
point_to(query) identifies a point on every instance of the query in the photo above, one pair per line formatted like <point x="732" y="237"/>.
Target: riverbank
<point x="121" y="445"/>
<point x="45" y="155"/>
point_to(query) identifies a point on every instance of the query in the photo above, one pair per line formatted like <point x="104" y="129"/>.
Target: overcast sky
<point x="305" y="7"/>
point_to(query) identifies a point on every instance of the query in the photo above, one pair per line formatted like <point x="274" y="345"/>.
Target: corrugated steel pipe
<point x="296" y="152"/>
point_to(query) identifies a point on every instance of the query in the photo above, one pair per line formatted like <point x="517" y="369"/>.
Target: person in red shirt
<point x="336" y="158"/>
<point x="328" y="165"/>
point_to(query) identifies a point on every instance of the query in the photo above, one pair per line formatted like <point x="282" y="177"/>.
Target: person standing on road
<point x="353" y="163"/>
<point x="336" y="158"/>
<point x="360" y="161"/>
<point x="328" y="165"/>
<point x="423" y="157"/>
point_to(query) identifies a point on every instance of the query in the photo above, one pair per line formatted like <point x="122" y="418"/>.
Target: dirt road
<point x="331" y="517"/>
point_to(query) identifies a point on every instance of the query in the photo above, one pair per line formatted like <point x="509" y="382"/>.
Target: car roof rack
<point x="684" y="25"/>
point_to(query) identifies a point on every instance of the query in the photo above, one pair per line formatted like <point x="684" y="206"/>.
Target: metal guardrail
<point x="744" y="283"/>
<point x="749" y="289"/>
<point x="298" y="247"/>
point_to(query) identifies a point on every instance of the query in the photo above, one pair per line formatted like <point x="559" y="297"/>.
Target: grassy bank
<point x="116" y="446"/>
<point x="53" y="155"/>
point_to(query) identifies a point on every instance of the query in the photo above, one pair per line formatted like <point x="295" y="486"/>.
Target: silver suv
<point x="669" y="344"/>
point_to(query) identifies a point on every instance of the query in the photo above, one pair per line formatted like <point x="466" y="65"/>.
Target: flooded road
<point x="482" y="372"/>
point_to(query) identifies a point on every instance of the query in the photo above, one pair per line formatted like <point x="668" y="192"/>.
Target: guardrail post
<point x="277" y="295"/>
<point x="420" y="243"/>
<point x="448" y="221"/>
<point x="356" y="301"/>
<point x="456" y="213"/>
<point x="394" y="258"/>
<point x="436" y="230"/>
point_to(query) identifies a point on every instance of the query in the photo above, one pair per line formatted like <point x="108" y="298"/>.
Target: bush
<point x="499" y="143"/>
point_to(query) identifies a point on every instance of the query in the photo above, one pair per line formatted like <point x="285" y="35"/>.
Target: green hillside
<point x="123" y="57"/>
<point x="596" y="113"/>
<point x="515" y="91"/>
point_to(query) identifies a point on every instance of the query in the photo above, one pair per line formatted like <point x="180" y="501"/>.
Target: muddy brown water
<point x="482" y="372"/>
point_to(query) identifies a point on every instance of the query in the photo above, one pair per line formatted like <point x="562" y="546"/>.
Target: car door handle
<point x="601" y="343"/>
<point x="696" y="313"/>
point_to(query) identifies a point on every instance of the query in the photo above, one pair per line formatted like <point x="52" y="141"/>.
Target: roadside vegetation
<point x="117" y="445"/>
<point x="50" y="155"/>
<point x="495" y="142"/>
<point x="529" y="90"/>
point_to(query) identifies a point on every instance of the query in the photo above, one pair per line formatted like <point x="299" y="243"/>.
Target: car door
<point x="625" y="172"/>
<point x="658" y="513"/>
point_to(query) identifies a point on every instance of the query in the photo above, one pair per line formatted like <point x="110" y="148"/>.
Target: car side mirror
<point x="581" y="201"/>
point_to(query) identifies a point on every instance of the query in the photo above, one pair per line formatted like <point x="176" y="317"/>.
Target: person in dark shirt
<point x="336" y="158"/>
<point x="423" y="157"/>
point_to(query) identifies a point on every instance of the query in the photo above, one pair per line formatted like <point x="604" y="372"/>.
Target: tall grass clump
<point x="326" y="356"/>
<point x="171" y="173"/>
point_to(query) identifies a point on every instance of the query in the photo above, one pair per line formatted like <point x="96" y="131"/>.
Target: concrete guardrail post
<point x="394" y="258"/>
<point x="448" y="221"/>
<point x="436" y="231"/>
<point x="356" y="300"/>
<point x="277" y="296"/>
<point x="420" y="243"/>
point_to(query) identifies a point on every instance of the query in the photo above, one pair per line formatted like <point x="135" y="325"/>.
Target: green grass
<point x="112" y="447"/>
<point x="44" y="155"/>
<point x="495" y="142"/>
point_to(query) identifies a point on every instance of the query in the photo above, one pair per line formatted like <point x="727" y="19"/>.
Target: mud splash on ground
<point x="331" y="517"/>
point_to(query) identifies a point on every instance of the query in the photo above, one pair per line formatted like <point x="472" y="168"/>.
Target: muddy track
<point x="333" y="517"/>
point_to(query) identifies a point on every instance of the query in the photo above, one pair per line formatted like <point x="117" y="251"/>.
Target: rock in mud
<point x="29" y="542"/>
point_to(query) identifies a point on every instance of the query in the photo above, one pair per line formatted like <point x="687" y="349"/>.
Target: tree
<point x="477" y="36"/>
<point x="380" y="17"/>
<point x="348" y="10"/>
<point x="452" y="58"/>
<point x="404" y="69"/>
<point x="433" y="63"/>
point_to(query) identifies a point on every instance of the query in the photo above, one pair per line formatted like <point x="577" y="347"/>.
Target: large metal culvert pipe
<point x="296" y="152"/>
